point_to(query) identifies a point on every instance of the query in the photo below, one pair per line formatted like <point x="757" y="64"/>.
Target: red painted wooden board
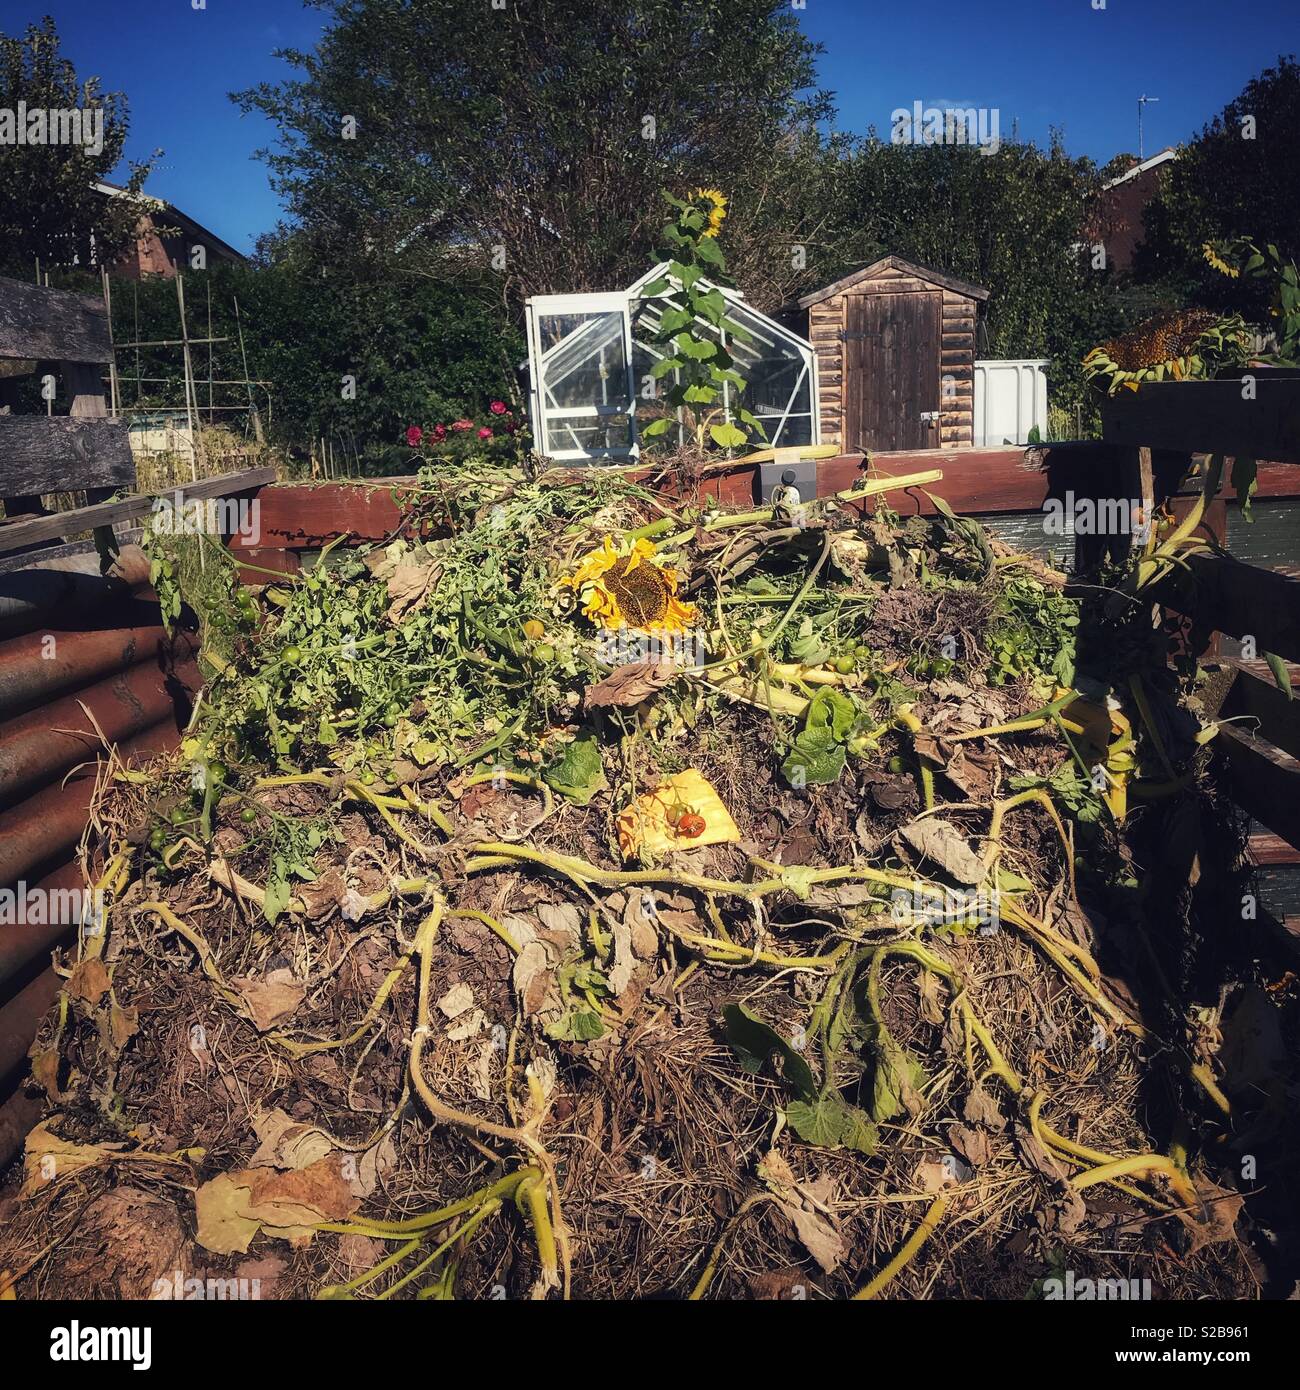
<point x="306" y="516"/>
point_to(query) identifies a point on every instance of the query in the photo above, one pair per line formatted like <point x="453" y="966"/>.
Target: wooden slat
<point x="1270" y="851"/>
<point x="1254" y="694"/>
<point x="1286" y="931"/>
<point x="1241" y="600"/>
<point x="1263" y="780"/>
<point x="305" y="516"/>
<point x="52" y="325"/>
<point x="39" y="453"/>
<point x="60" y="524"/>
<point x="1210" y="417"/>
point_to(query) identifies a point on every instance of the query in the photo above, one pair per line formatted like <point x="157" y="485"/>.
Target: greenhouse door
<point x="580" y="362"/>
<point x="891" y="371"/>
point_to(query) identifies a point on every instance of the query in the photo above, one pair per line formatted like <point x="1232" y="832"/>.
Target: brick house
<point x="1118" y="221"/>
<point x="165" y="240"/>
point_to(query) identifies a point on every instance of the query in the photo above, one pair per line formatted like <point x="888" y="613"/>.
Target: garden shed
<point x="591" y="357"/>
<point x="895" y="347"/>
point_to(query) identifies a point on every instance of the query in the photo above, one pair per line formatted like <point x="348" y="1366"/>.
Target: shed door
<point x="891" y="370"/>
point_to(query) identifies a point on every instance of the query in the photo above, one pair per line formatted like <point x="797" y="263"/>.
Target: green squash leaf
<point x="727" y="436"/>
<point x="579" y="774"/>
<point x="756" y="1045"/>
<point x="831" y="1122"/>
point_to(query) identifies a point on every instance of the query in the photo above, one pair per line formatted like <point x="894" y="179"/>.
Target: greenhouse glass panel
<point x="580" y="359"/>
<point x="591" y="358"/>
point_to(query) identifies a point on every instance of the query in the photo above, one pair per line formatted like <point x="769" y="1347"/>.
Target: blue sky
<point x="1040" y="63"/>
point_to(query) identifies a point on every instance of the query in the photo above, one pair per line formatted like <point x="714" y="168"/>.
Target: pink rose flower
<point x="498" y="407"/>
<point x="485" y="433"/>
<point x="462" y="425"/>
<point x="414" y="435"/>
<point x="440" y="431"/>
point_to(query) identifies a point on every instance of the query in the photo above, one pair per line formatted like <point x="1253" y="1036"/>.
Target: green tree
<point x="537" y="138"/>
<point x="49" y="208"/>
<point x="1239" y="177"/>
<point x="415" y="352"/>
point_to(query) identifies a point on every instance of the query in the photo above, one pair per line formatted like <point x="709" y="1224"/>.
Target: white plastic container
<point x="1010" y="399"/>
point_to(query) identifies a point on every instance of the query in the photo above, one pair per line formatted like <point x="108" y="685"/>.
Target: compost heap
<point x="585" y="894"/>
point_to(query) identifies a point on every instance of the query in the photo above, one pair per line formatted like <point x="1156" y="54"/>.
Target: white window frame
<point x="544" y="415"/>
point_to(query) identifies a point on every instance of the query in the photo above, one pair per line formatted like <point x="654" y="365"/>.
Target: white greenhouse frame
<point x="583" y="371"/>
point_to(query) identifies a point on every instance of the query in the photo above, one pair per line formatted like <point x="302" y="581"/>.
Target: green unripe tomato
<point x="367" y="778"/>
<point x="248" y="815"/>
<point x="157" y="839"/>
<point x="292" y="655"/>
<point x="845" y="664"/>
<point x="544" y="652"/>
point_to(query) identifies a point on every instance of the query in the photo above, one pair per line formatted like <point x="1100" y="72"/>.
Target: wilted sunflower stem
<point x="909" y="1250"/>
<point x="925" y="766"/>
<point x="547" y="1232"/>
<point x="357" y="791"/>
<point x="1154" y="566"/>
<point x="711" y="1268"/>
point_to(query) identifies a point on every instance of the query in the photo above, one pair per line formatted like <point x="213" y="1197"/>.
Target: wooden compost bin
<point x="1256" y="415"/>
<point x="895" y="346"/>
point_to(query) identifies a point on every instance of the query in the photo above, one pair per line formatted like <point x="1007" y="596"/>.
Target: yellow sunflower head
<point x="626" y="587"/>
<point x="1216" y="260"/>
<point x="717" y="202"/>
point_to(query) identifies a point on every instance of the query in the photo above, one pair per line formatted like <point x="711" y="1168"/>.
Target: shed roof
<point x="922" y="272"/>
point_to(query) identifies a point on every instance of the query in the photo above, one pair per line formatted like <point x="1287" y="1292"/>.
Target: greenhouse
<point x="590" y="360"/>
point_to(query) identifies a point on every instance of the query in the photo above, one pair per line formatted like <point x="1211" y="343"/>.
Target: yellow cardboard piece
<point x="645" y="830"/>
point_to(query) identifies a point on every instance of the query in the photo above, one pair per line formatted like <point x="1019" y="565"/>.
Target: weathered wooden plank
<point x="40" y="453"/>
<point x="1263" y="780"/>
<point x="1241" y="600"/>
<point x="1255" y="695"/>
<point x="52" y="325"/>
<point x="307" y="516"/>
<point x="1277" y="481"/>
<point x="47" y="528"/>
<point x="1271" y="851"/>
<point x="1210" y="417"/>
<point x="1286" y="931"/>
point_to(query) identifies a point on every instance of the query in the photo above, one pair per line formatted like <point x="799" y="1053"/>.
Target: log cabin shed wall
<point x="895" y="345"/>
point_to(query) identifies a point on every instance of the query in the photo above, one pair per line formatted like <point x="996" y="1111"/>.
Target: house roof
<point x="1156" y="159"/>
<point x="922" y="272"/>
<point x="159" y="207"/>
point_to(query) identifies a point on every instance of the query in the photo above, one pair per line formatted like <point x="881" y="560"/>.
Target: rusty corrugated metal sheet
<point x="39" y="834"/>
<point x="21" y="1016"/>
<point x="22" y="942"/>
<point x="66" y="592"/>
<point x="39" y="666"/>
<point x="21" y="1110"/>
<point x="110" y="655"/>
<point x="42" y="745"/>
